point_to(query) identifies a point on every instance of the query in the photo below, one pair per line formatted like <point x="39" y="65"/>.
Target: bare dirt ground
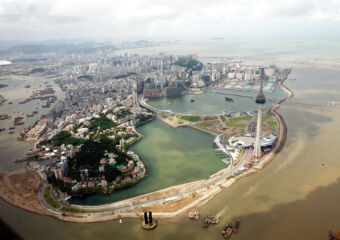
<point x="20" y="188"/>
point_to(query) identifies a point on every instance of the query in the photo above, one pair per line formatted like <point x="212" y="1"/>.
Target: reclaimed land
<point x="22" y="187"/>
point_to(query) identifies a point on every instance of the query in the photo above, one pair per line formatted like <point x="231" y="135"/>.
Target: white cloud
<point x="152" y="18"/>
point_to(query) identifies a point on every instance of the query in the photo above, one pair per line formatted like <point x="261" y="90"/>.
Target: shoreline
<point x="172" y="202"/>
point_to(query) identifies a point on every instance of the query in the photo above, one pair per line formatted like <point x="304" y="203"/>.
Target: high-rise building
<point x="260" y="101"/>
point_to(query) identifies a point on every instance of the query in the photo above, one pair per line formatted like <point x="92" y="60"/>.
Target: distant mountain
<point x="4" y="44"/>
<point x="87" y="47"/>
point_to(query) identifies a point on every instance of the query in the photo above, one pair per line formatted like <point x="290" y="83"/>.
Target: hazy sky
<point x="167" y="19"/>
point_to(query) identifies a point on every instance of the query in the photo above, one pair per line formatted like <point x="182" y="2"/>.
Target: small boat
<point x="192" y="100"/>
<point x="227" y="231"/>
<point x="2" y="129"/>
<point x="292" y="78"/>
<point x="11" y="128"/>
<point x="194" y="215"/>
<point x="214" y="220"/>
<point x="4" y="117"/>
<point x="67" y="198"/>
<point x="9" y="102"/>
<point x="228" y="99"/>
<point x="227" y="234"/>
<point x="18" y="119"/>
<point x="206" y="221"/>
<point x="333" y="236"/>
<point x="11" y="132"/>
<point x="236" y="226"/>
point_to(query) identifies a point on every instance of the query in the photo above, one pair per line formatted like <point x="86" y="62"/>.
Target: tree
<point x="110" y="173"/>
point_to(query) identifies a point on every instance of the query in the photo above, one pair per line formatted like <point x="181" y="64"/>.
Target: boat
<point x="35" y="112"/>
<point x="227" y="231"/>
<point x="11" y="128"/>
<point x="292" y="78"/>
<point x="214" y="220"/>
<point x="228" y="99"/>
<point x="18" y="119"/>
<point x="67" y="198"/>
<point x="11" y="132"/>
<point x="192" y="100"/>
<point x="4" y="117"/>
<point x="206" y="221"/>
<point x="29" y="115"/>
<point x="9" y="102"/>
<point x="27" y="86"/>
<point x="194" y="215"/>
<point x="2" y="129"/>
<point x="333" y="236"/>
<point x="236" y="226"/>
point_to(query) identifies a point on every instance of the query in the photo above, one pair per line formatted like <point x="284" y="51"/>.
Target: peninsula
<point x="88" y="134"/>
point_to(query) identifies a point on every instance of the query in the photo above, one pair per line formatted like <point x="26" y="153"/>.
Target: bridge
<point x="296" y="101"/>
<point x="143" y="103"/>
<point x="239" y="95"/>
<point x="312" y="102"/>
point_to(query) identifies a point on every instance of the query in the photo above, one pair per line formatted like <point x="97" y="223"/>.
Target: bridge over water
<point x="238" y="95"/>
<point x="297" y="101"/>
<point x="312" y="102"/>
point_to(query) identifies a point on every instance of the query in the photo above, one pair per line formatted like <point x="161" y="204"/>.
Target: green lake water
<point x="213" y="103"/>
<point x="172" y="156"/>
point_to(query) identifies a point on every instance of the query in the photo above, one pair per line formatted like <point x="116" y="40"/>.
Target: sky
<point x="161" y="20"/>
